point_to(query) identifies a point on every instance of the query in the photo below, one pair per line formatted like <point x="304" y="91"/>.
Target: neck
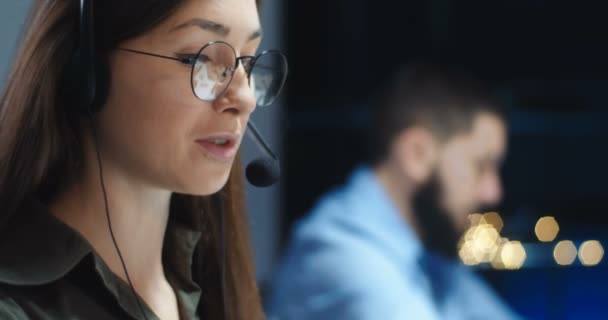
<point x="138" y="216"/>
<point x="399" y="190"/>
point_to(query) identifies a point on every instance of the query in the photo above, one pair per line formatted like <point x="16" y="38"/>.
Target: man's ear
<point x="416" y="152"/>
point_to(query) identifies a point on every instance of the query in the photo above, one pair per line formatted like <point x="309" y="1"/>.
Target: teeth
<point x="219" y="141"/>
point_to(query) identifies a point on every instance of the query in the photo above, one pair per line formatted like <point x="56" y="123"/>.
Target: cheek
<point x="459" y="189"/>
<point x="145" y="110"/>
<point x="149" y="131"/>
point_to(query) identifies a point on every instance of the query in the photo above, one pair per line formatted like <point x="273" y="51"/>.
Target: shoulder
<point x="359" y="283"/>
<point x="36" y="248"/>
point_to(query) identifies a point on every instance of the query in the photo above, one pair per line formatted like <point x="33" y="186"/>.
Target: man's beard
<point x="438" y="232"/>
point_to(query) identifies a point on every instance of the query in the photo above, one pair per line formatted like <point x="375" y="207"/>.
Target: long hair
<point x="41" y="150"/>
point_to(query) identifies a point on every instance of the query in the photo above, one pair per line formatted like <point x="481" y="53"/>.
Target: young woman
<point x="124" y="205"/>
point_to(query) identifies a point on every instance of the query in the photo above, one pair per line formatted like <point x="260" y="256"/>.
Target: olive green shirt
<point x="48" y="271"/>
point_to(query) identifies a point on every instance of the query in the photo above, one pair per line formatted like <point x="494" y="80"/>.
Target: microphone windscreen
<point x="263" y="172"/>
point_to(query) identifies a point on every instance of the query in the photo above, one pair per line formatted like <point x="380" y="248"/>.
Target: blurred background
<point x="549" y="62"/>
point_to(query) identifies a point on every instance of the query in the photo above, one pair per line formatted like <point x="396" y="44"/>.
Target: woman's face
<point x="153" y="128"/>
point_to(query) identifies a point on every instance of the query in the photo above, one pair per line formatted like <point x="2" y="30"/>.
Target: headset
<point x="85" y="87"/>
<point x="86" y="77"/>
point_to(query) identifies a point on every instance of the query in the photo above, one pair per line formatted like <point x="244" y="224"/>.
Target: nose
<point x="239" y="97"/>
<point x="490" y="191"/>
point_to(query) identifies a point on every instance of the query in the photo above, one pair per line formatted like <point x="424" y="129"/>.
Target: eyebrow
<point x="214" y="27"/>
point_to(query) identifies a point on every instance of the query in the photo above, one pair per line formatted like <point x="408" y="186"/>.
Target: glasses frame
<point x="251" y="60"/>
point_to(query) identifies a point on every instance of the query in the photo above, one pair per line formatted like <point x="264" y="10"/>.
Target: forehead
<point x="241" y="16"/>
<point x="489" y="133"/>
<point x="487" y="137"/>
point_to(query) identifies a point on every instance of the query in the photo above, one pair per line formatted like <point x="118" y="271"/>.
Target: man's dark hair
<point x="441" y="98"/>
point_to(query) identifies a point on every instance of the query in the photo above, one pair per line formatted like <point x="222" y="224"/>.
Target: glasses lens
<point x="268" y="77"/>
<point x="213" y="71"/>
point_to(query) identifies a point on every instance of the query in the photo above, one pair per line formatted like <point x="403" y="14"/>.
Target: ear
<point x="415" y="151"/>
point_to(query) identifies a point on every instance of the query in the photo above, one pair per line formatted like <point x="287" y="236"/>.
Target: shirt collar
<point x="36" y="248"/>
<point x="376" y="213"/>
<point x="180" y="244"/>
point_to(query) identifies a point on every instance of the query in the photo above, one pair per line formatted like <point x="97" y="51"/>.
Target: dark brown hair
<point x="442" y="98"/>
<point x="41" y="148"/>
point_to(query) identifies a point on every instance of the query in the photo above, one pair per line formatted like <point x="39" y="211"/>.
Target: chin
<point x="204" y="184"/>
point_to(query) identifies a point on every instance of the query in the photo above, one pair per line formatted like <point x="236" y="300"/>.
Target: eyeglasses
<point x="214" y="65"/>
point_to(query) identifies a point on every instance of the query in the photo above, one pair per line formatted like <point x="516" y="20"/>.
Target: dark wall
<point x="547" y="58"/>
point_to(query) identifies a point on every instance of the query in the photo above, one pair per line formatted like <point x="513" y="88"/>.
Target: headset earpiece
<point x="102" y="85"/>
<point x="86" y="77"/>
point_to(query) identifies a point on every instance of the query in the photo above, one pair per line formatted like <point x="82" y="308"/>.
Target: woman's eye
<point x="204" y="58"/>
<point x="188" y="58"/>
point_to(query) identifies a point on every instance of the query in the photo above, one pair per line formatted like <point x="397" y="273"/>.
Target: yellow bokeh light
<point x="497" y="262"/>
<point x="475" y="219"/>
<point x="485" y="243"/>
<point x="466" y="255"/>
<point x="486" y="237"/>
<point x="546" y="229"/>
<point x="591" y="253"/>
<point x="565" y="253"/>
<point x="470" y="234"/>
<point x="479" y="244"/>
<point x="494" y="219"/>
<point x="513" y="255"/>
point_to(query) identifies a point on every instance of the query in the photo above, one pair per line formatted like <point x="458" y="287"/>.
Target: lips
<point x="222" y="147"/>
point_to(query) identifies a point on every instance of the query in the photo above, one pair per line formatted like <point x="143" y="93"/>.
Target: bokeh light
<point x="494" y="219"/>
<point x="565" y="253"/>
<point x="546" y="229"/>
<point x="484" y="243"/>
<point x="513" y="255"/>
<point x="480" y="243"/>
<point x="475" y="219"/>
<point x="497" y="262"/>
<point x="466" y="254"/>
<point x="591" y="253"/>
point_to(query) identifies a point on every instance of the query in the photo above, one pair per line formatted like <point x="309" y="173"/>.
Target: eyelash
<point x="191" y="57"/>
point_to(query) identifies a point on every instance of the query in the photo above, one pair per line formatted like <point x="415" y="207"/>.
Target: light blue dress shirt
<point x="354" y="257"/>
